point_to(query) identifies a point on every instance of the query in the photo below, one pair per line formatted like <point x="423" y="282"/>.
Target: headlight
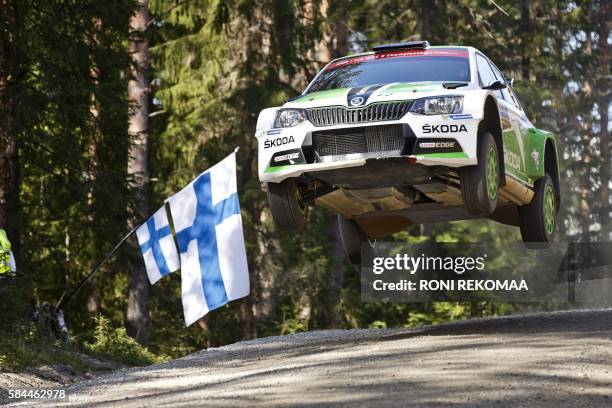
<point x="289" y="118"/>
<point x="438" y="105"/>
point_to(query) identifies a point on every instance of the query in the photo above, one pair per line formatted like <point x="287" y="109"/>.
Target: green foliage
<point x="291" y="326"/>
<point x="25" y="346"/>
<point x="440" y="312"/>
<point x="114" y="344"/>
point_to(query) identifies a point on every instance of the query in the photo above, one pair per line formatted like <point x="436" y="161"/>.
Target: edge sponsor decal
<point x="278" y="142"/>
<point x="433" y="145"/>
<point x="443" y="128"/>
<point x="437" y="145"/>
<point x="287" y="157"/>
<point x="274" y="131"/>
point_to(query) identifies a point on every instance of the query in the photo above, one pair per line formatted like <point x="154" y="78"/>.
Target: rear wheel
<point x="538" y="219"/>
<point x="352" y="237"/>
<point x="480" y="183"/>
<point x="288" y="210"/>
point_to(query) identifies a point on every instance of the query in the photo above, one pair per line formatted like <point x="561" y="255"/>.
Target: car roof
<point x="450" y="47"/>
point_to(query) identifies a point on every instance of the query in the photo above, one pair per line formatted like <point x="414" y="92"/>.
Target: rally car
<point x="408" y="134"/>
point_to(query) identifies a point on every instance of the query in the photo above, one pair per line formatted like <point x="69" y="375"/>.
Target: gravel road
<point x="561" y="359"/>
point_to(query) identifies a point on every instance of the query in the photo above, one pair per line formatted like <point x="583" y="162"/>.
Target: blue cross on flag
<point x="208" y="225"/>
<point x="157" y="246"/>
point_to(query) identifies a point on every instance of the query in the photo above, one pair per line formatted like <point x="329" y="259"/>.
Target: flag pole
<point x="65" y="297"/>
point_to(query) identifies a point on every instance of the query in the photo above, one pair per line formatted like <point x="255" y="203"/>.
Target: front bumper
<point x="441" y="140"/>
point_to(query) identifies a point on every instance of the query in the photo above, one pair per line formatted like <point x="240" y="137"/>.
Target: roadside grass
<point x="22" y="346"/>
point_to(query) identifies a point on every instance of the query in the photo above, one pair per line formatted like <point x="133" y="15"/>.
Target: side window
<point x="485" y="73"/>
<point x="508" y="94"/>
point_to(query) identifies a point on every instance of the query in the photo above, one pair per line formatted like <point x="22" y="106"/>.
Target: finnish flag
<point x="157" y="246"/>
<point x="208" y="226"/>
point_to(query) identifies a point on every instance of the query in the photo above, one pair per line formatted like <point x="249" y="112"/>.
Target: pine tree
<point x="11" y="78"/>
<point x="138" y="283"/>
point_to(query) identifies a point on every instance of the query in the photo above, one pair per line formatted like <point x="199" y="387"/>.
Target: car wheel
<point x="352" y="237"/>
<point x="538" y="219"/>
<point x="480" y="183"/>
<point x="288" y="210"/>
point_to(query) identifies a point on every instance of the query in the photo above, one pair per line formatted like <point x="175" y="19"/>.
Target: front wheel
<point x="288" y="210"/>
<point x="538" y="219"/>
<point x="480" y="183"/>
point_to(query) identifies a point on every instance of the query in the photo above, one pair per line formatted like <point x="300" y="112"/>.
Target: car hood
<point x="361" y="96"/>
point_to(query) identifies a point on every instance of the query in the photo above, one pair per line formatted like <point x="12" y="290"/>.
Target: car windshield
<point x="444" y="65"/>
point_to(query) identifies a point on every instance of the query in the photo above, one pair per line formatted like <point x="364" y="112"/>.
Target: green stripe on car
<point x="454" y="155"/>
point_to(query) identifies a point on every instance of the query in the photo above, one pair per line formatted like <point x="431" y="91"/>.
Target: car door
<point x="520" y="128"/>
<point x="514" y="149"/>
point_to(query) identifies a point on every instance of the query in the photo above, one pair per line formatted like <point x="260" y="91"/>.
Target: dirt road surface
<point x="561" y="359"/>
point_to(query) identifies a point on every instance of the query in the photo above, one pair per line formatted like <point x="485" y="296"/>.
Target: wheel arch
<point x="491" y="122"/>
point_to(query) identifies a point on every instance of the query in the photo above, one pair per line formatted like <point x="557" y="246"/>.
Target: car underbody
<point x="388" y="194"/>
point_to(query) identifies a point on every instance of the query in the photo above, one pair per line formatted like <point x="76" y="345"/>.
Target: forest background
<point x="106" y="108"/>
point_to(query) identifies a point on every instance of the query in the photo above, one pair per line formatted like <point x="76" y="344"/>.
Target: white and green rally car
<point x="409" y="134"/>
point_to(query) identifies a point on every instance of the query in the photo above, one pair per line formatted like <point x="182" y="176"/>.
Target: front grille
<point x="370" y="139"/>
<point x="339" y="115"/>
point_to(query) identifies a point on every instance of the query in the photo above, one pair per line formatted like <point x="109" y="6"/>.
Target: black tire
<point x="288" y="211"/>
<point x="352" y="237"/>
<point x="480" y="183"/>
<point x="538" y="219"/>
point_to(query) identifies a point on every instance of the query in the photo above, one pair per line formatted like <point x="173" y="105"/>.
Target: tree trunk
<point x="337" y="262"/>
<point x="138" y="284"/>
<point x="93" y="298"/>
<point x="586" y="154"/>
<point x="9" y="152"/>
<point x="604" y="104"/>
<point x="342" y="30"/>
<point x="526" y="48"/>
<point x="560" y="114"/>
<point x="325" y="48"/>
<point x="426" y="6"/>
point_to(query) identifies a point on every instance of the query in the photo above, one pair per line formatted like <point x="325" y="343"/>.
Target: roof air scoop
<point x="402" y="46"/>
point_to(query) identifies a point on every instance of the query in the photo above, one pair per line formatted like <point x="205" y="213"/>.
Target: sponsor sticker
<point x="436" y="145"/>
<point x="461" y="116"/>
<point x="278" y="142"/>
<point x="289" y="156"/>
<point x="427" y="128"/>
<point x="535" y="156"/>
<point x="512" y="159"/>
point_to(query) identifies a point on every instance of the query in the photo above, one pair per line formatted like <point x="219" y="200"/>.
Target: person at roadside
<point x="7" y="260"/>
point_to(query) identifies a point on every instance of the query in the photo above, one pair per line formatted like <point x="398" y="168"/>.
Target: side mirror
<point x="495" y="85"/>
<point x="510" y="82"/>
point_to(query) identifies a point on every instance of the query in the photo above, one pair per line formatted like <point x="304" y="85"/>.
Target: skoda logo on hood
<point x="357" y="101"/>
